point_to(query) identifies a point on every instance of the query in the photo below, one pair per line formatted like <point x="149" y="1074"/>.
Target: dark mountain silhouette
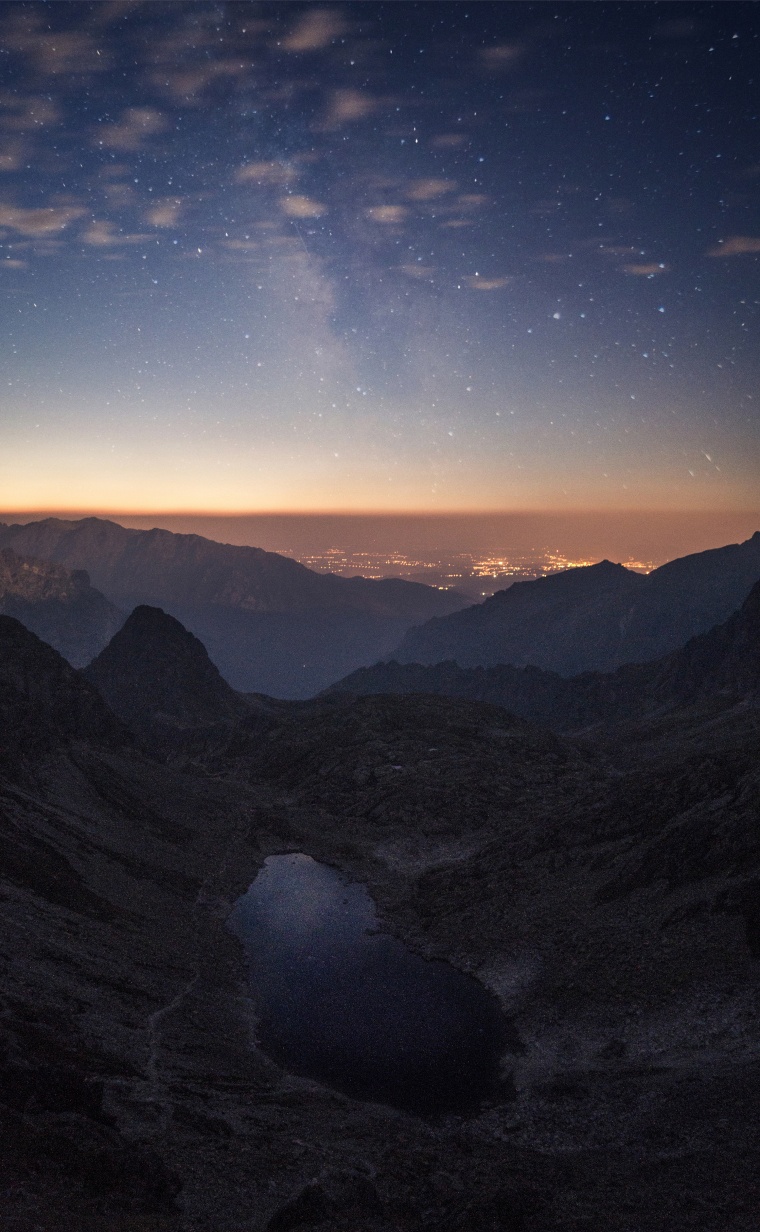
<point x="57" y="604"/>
<point x="613" y="905"/>
<point x="45" y="704"/>
<point x="725" y="662"/>
<point x="594" y="618"/>
<point x="158" y="678"/>
<point x="270" y="624"/>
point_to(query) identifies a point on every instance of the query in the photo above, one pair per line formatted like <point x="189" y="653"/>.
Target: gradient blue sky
<point x="379" y="256"/>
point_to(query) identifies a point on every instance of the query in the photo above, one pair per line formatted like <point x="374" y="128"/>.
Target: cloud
<point x="501" y="56"/>
<point x="314" y="29"/>
<point x="430" y="189"/>
<point x="64" y="51"/>
<point x="735" y="246"/>
<point x="476" y="283"/>
<point x="471" y="201"/>
<point x="186" y="83"/>
<point x="12" y="155"/>
<point x="102" y="234"/>
<point x="265" y="173"/>
<point x="448" y="141"/>
<point x="13" y="263"/>
<point x="647" y="269"/>
<point x="387" y="213"/>
<point x="43" y="221"/>
<point x="612" y="250"/>
<point x="164" y="213"/>
<point x="417" y="271"/>
<point x="25" y="114"/>
<point x="136" y="124"/>
<point x="296" y="206"/>
<point x="347" y="105"/>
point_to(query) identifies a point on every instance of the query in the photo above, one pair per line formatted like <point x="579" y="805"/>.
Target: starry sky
<point x="404" y="256"/>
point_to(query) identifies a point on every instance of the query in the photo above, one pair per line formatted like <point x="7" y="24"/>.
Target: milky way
<point x="379" y="256"/>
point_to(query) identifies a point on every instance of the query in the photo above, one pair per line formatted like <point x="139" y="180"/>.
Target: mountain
<point x="594" y="618"/>
<point x="57" y="604"/>
<point x="613" y="908"/>
<point x="721" y="664"/>
<point x="269" y="623"/>
<point x="160" y="681"/>
<point x="44" y="703"/>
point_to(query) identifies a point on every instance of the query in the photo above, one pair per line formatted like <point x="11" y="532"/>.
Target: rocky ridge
<point x="594" y="618"/>
<point x="722" y="665"/>
<point x="608" y="895"/>
<point x="270" y="624"/>
<point x="160" y="681"/>
<point x="57" y="604"/>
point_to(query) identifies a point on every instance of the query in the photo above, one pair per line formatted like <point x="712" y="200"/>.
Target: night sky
<point x="379" y="256"/>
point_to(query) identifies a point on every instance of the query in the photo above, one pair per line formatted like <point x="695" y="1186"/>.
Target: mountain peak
<point x="158" y="677"/>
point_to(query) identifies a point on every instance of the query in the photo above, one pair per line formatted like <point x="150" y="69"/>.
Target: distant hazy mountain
<point x="725" y="661"/>
<point x="159" y="680"/>
<point x="57" y="604"/>
<point x="595" y="618"/>
<point x="269" y="623"/>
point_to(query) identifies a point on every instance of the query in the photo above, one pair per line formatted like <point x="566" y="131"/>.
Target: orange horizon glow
<point x="418" y="512"/>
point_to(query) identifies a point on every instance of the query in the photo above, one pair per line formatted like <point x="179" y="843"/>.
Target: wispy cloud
<point x="448" y="141"/>
<point x="430" y="189"/>
<point x="12" y="155"/>
<point x="387" y="213"/>
<point x="131" y="132"/>
<point x="101" y="234"/>
<point x="476" y="283"/>
<point x="736" y="245"/>
<point x="296" y="206"/>
<point x="419" y="272"/>
<point x="23" y="114"/>
<point x="314" y="29"/>
<point x="501" y="56"/>
<point x="52" y="54"/>
<point x="647" y="269"/>
<point x="347" y="105"/>
<point x="42" y="221"/>
<point x="265" y="173"/>
<point x="164" y="213"/>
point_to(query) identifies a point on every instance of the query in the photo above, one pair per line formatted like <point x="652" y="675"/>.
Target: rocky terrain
<point x="594" y="618"/>
<point x="160" y="681"/>
<point x="607" y="890"/>
<point x="57" y="604"/>
<point x="721" y="667"/>
<point x="270" y="624"/>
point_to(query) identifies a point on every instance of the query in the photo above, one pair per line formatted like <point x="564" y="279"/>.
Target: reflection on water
<point x="355" y="1009"/>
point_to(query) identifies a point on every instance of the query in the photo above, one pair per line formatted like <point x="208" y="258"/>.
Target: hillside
<point x="594" y="618"/>
<point x="58" y="604"/>
<point x="270" y="624"/>
<point x="612" y="908"/>
<point x="723" y="663"/>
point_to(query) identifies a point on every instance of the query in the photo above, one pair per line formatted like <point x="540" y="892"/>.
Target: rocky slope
<point x="57" y="604"/>
<point x="160" y="681"/>
<point x="721" y="665"/>
<point x="594" y="618"/>
<point x="270" y="624"/>
<point x="608" y="895"/>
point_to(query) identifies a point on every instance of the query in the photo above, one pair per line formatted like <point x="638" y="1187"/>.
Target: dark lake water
<point x="353" y="1008"/>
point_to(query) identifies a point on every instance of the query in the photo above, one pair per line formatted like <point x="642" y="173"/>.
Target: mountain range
<point x="593" y="618"/>
<point x="722" y="664"/>
<point x="606" y="888"/>
<point x="270" y="624"/>
<point x="57" y="604"/>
